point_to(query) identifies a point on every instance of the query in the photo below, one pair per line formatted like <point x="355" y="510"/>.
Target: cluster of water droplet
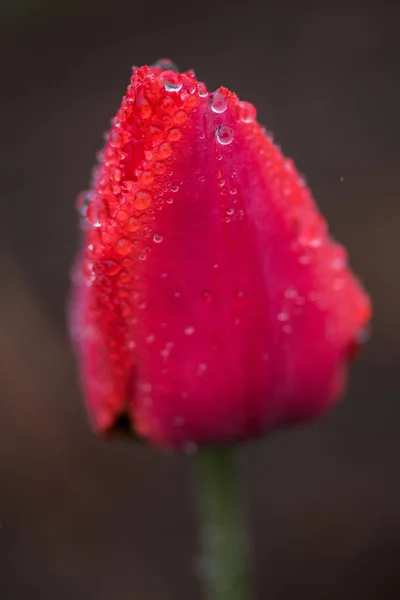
<point x="131" y="182"/>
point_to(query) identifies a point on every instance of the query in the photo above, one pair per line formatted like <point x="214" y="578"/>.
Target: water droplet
<point x="133" y="224"/>
<point x="159" y="168"/>
<point x="158" y="238"/>
<point x="247" y="112"/>
<point x="189" y="330"/>
<point x="339" y="258"/>
<point x="175" y="188"/>
<point x="123" y="246"/>
<point x="177" y="294"/>
<point x="202" y="90"/>
<point x="150" y="339"/>
<point x="166" y="64"/>
<point x="233" y="191"/>
<point x="291" y="292"/>
<point x="146" y="177"/>
<point x="142" y="199"/>
<point x="230" y="211"/>
<point x="164" y="150"/>
<point x="174" y="134"/>
<point x="180" y="117"/>
<point x="111" y="267"/>
<point x="172" y="81"/>
<point x="169" y="200"/>
<point x="283" y="316"/>
<point x="304" y="259"/>
<point x="342" y="179"/>
<point x="224" y="134"/>
<point x="82" y="202"/>
<point x="207" y="296"/>
<point x="116" y="140"/>
<point x="219" y="103"/>
<point x="143" y="255"/>
<point x="202" y="368"/>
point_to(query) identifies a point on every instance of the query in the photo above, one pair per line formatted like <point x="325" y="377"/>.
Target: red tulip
<point x="209" y="304"/>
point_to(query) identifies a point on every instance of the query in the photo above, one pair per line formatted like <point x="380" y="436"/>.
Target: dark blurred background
<point x="82" y="519"/>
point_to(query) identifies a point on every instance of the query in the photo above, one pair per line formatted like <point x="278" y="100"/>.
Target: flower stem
<point x="224" y="543"/>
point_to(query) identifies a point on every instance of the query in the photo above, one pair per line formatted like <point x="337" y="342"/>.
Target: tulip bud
<point x="210" y="304"/>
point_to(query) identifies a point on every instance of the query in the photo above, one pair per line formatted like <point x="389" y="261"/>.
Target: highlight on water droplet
<point x="219" y="103"/>
<point x="158" y="238"/>
<point x="224" y="134"/>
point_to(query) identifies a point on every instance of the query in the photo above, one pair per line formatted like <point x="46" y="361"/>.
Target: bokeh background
<point x="82" y="519"/>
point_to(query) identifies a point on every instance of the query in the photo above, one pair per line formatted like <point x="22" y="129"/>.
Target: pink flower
<point x="209" y="304"/>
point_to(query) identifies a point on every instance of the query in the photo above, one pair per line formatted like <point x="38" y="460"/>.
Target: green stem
<point x="224" y="543"/>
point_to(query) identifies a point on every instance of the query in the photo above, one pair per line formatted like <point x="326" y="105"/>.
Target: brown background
<point x="83" y="519"/>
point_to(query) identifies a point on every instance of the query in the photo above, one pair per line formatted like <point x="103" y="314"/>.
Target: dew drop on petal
<point x="116" y="140"/>
<point x="164" y="150"/>
<point x="202" y="368"/>
<point x="202" y="90"/>
<point x="180" y="117"/>
<point x="160" y="168"/>
<point x="174" y="134"/>
<point x="219" y="103"/>
<point x="283" y="316"/>
<point x="158" y="238"/>
<point x="207" y="296"/>
<point x="189" y="330"/>
<point x="224" y="134"/>
<point x="172" y="81"/>
<point x="247" y="112"/>
<point x="142" y="199"/>
<point x="133" y="224"/>
<point x="111" y="267"/>
<point x="123" y="246"/>
<point x="166" y="64"/>
<point x="146" y="177"/>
